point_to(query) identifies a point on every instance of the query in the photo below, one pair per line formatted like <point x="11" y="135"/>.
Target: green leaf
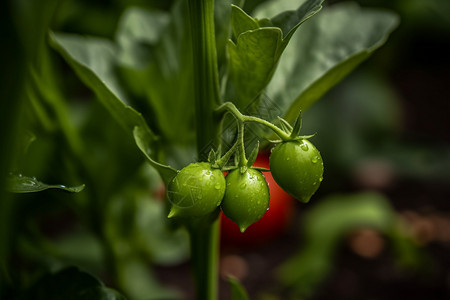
<point x="93" y="60"/>
<point x="241" y="22"/>
<point x="289" y="21"/>
<point x="258" y="48"/>
<point x="137" y="29"/>
<point x="143" y="141"/>
<point x="24" y="184"/>
<point x="157" y="67"/>
<point x="71" y="283"/>
<point x="324" y="51"/>
<point x="237" y="290"/>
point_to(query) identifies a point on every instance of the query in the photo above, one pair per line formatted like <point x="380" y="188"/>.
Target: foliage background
<point x="386" y="131"/>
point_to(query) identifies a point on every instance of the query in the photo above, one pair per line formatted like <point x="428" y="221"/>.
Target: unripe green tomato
<point x="197" y="190"/>
<point x="297" y="167"/>
<point x="246" y="197"/>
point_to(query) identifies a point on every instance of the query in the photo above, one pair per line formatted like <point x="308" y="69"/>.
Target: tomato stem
<point x="231" y="108"/>
<point x="205" y="235"/>
<point x="242" y="158"/>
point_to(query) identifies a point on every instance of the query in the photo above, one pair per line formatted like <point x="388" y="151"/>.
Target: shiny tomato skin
<point x="246" y="197"/>
<point x="297" y="167"/>
<point x="196" y="190"/>
<point x="270" y="226"/>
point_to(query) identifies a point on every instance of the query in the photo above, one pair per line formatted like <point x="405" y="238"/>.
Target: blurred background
<point x="378" y="228"/>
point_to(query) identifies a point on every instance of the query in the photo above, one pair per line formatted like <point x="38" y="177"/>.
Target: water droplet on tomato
<point x="243" y="185"/>
<point x="315" y="159"/>
<point x="304" y="147"/>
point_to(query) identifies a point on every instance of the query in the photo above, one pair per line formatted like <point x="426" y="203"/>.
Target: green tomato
<point x="297" y="167"/>
<point x="197" y="190"/>
<point x="246" y="197"/>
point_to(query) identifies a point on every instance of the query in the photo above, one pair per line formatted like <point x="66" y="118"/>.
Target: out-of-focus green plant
<point x="327" y="224"/>
<point x="160" y="85"/>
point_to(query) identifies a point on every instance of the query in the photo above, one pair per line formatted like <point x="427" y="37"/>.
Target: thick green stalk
<point x="205" y="233"/>
<point x="204" y="238"/>
<point x="206" y="78"/>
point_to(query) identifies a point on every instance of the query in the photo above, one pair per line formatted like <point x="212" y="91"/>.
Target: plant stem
<point x="242" y="158"/>
<point x="204" y="238"/>
<point x="204" y="233"/>
<point x="206" y="78"/>
<point x="231" y="108"/>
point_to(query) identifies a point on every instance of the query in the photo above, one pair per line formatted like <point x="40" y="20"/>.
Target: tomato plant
<point x="159" y="81"/>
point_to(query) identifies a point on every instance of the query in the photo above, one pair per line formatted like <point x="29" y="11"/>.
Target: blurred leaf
<point x="161" y="72"/>
<point x="24" y="184"/>
<point x="324" y="51"/>
<point x="222" y="20"/>
<point x="93" y="60"/>
<point x="259" y="45"/>
<point x="325" y="226"/>
<point x="126" y="214"/>
<point x="69" y="284"/>
<point x="137" y="28"/>
<point x="237" y="290"/>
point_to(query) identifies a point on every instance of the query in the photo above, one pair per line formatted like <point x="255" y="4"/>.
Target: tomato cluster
<point x="244" y="194"/>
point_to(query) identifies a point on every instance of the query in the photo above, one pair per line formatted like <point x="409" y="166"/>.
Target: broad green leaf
<point x="222" y="23"/>
<point x="161" y="69"/>
<point x="324" y="51"/>
<point x="24" y="184"/>
<point x="93" y="60"/>
<point x="253" y="61"/>
<point x="138" y="28"/>
<point x="241" y="22"/>
<point x="290" y="20"/>
<point x="138" y="32"/>
<point x="69" y="284"/>
<point x="143" y="142"/>
<point x="258" y="48"/>
<point x="237" y="290"/>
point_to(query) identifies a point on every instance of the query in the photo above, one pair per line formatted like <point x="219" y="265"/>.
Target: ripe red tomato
<point x="270" y="226"/>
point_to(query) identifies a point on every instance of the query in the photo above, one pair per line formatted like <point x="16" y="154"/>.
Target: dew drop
<point x="288" y="158"/>
<point x="320" y="179"/>
<point x="217" y="186"/>
<point x="315" y="159"/>
<point x="243" y="185"/>
<point x="304" y="147"/>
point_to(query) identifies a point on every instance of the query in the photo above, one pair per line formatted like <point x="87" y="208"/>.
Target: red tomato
<point x="270" y="226"/>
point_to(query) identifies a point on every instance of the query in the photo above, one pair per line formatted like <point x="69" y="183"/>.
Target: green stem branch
<point x="231" y="108"/>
